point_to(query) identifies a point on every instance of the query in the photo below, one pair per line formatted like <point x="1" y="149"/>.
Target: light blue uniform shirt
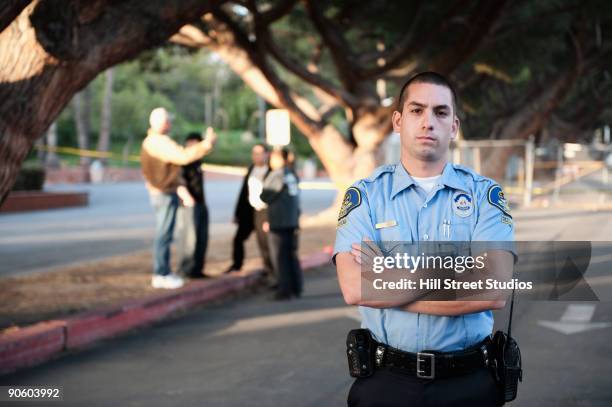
<point x="390" y="194"/>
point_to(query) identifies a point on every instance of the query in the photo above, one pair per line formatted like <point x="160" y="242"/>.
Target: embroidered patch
<point x="352" y="199"/>
<point x="496" y="198"/>
<point x="506" y="219"/>
<point x="463" y="204"/>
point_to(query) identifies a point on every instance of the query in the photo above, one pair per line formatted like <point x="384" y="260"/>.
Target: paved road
<point x="255" y="352"/>
<point x="118" y="220"/>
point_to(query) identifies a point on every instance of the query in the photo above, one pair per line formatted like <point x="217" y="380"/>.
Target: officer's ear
<point x="455" y="128"/>
<point x="396" y="120"/>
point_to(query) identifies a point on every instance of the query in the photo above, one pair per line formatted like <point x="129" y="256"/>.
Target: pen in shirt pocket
<point x="446" y="228"/>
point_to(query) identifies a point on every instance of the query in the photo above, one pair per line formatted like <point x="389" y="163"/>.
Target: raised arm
<point x="167" y="150"/>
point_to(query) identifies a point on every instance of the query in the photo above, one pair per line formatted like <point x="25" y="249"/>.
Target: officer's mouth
<point x="426" y="139"/>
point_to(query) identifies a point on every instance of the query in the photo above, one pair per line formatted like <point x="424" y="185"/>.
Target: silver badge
<point x="463" y="204"/>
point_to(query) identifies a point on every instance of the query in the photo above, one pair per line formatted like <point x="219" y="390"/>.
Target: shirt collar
<point x="403" y="180"/>
<point x="450" y="178"/>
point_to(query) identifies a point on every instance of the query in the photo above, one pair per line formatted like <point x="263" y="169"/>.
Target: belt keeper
<point x="485" y="354"/>
<point x="380" y="354"/>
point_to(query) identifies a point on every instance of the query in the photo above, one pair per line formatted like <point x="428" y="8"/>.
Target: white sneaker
<point x="169" y="282"/>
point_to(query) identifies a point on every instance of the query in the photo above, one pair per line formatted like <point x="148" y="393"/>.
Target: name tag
<point x="386" y="224"/>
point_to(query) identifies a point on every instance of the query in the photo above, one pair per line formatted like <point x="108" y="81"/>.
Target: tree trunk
<point x="105" y="116"/>
<point x="82" y="115"/>
<point x="55" y="47"/>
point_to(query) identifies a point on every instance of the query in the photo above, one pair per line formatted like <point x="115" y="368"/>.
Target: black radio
<point x="506" y="364"/>
<point x="360" y="350"/>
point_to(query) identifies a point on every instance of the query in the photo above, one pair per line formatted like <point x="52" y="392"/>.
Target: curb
<point x="38" y="343"/>
<point x="27" y="201"/>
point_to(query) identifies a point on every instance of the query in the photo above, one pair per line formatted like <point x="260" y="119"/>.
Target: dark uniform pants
<point x="390" y="389"/>
<point x="283" y="251"/>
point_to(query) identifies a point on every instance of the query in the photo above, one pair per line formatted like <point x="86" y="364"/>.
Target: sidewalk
<point x="76" y="306"/>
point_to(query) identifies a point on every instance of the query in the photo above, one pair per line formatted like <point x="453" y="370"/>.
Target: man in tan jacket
<point x="161" y="161"/>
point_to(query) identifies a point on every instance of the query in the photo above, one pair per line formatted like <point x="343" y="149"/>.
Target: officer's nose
<point x="427" y="120"/>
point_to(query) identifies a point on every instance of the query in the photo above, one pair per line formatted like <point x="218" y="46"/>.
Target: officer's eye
<point x="442" y="113"/>
<point x="416" y="110"/>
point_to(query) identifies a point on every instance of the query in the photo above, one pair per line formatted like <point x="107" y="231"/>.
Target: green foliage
<point x="178" y="80"/>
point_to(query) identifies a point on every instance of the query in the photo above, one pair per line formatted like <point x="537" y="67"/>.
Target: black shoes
<point x="197" y="276"/>
<point x="285" y="297"/>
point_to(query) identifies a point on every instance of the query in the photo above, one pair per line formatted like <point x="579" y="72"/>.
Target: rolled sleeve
<point x="495" y="224"/>
<point x="354" y="221"/>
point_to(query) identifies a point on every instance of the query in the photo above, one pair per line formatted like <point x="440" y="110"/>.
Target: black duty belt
<point x="431" y="364"/>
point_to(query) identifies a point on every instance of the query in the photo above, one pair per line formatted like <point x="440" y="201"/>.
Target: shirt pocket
<point x="455" y="229"/>
<point x="389" y="232"/>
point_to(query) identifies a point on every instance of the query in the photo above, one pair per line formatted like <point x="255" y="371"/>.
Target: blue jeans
<point x="165" y="206"/>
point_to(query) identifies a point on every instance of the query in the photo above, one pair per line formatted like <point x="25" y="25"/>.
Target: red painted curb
<point x="23" y="201"/>
<point x="85" y="329"/>
<point x="31" y="345"/>
<point x="40" y="342"/>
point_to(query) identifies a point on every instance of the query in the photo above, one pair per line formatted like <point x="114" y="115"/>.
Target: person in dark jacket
<point x="281" y="193"/>
<point x="251" y="213"/>
<point x="194" y="239"/>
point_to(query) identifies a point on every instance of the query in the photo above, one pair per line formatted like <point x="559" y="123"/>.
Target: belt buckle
<point x="422" y="358"/>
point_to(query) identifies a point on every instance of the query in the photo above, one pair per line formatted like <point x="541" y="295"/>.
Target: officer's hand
<point x="266" y="227"/>
<point x="210" y="136"/>
<point x="364" y="252"/>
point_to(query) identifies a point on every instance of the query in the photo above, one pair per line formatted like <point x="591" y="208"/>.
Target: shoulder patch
<point x="352" y="199"/>
<point x="496" y="197"/>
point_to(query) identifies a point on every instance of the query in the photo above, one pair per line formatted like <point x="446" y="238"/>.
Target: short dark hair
<point x="286" y="153"/>
<point x="264" y="145"/>
<point x="193" y="136"/>
<point x="427" y="77"/>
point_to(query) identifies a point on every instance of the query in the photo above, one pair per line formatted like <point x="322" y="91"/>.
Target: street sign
<point x="278" y="131"/>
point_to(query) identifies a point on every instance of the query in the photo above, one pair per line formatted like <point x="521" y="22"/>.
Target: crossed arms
<point x="348" y="266"/>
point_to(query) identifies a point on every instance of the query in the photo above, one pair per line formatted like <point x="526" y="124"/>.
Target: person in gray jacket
<point x="280" y="192"/>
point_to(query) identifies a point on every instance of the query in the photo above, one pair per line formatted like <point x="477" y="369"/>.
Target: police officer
<point x="429" y="352"/>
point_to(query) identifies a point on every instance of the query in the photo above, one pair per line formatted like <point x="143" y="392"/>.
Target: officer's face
<point x="427" y="123"/>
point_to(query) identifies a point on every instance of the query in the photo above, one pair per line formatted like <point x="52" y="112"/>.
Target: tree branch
<point x="277" y="12"/>
<point x="267" y="43"/>
<point x="403" y="51"/>
<point x="501" y="31"/>
<point x="257" y="56"/>
<point x="9" y="10"/>
<point x="480" y="24"/>
<point x="339" y="48"/>
<point x="533" y="114"/>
